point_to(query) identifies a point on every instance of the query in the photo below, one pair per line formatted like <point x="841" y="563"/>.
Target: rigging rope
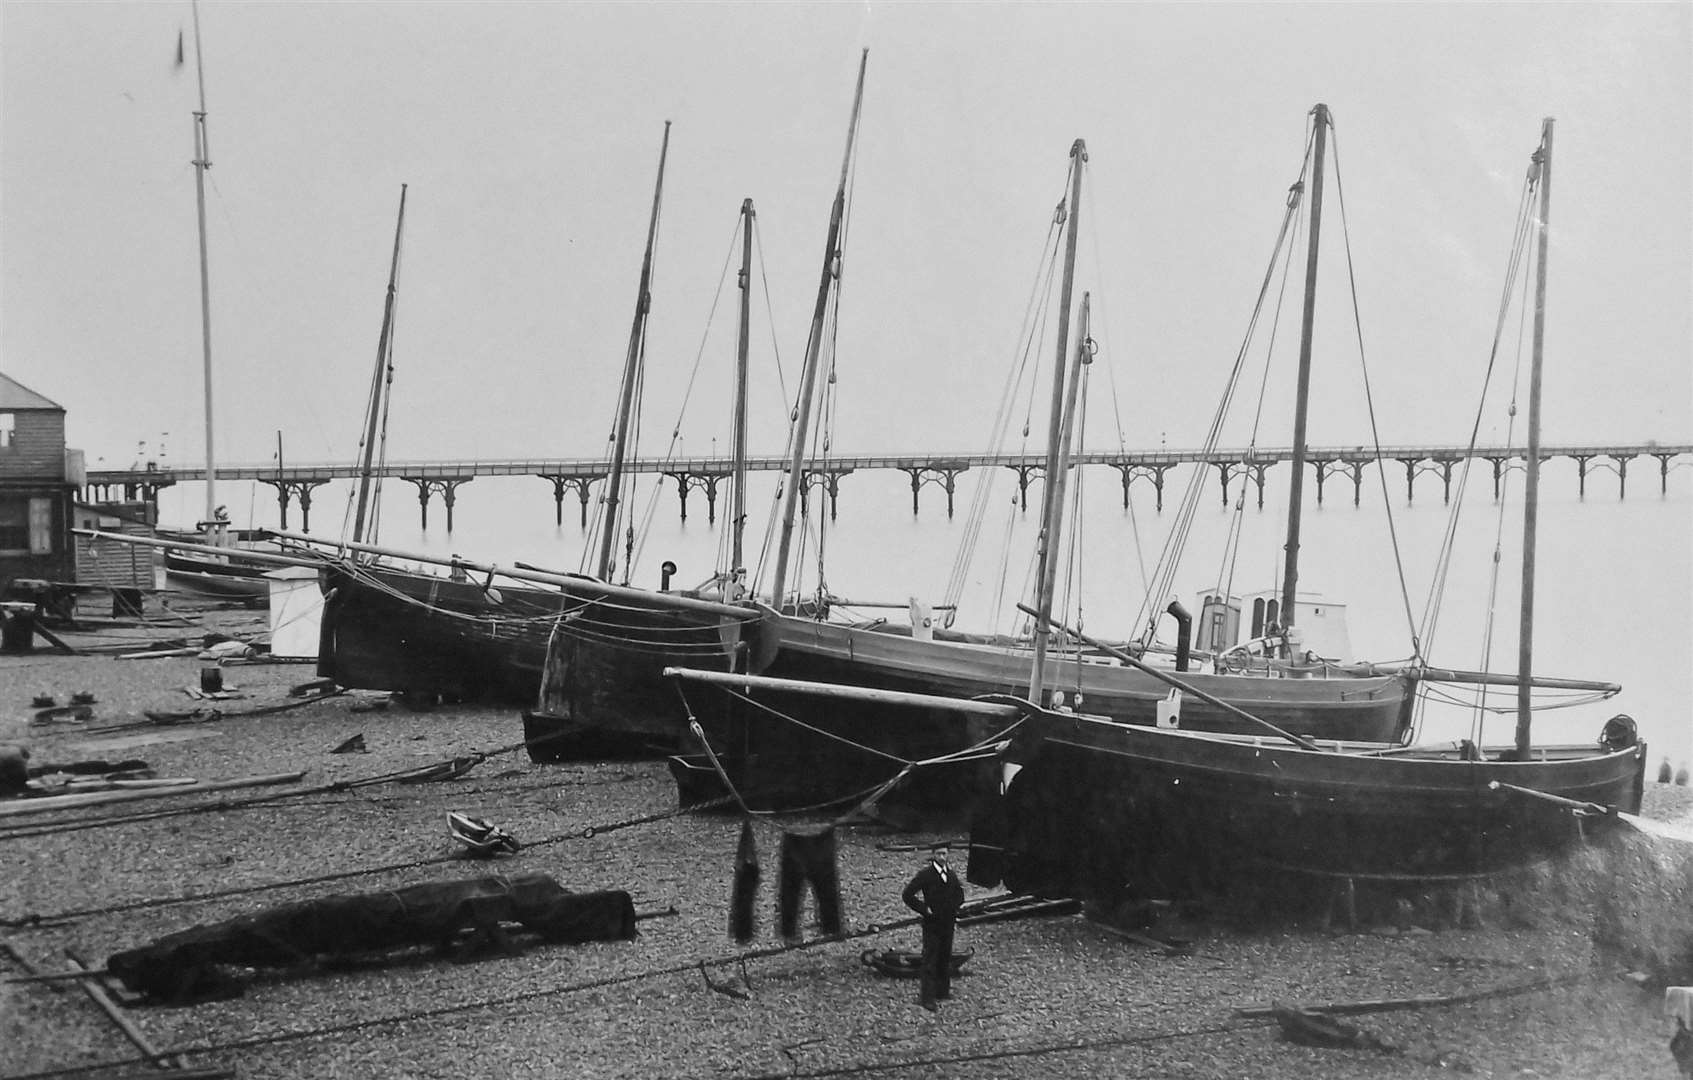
<point x="1369" y="399"/>
<point x="1030" y="333"/>
<point x="1175" y="542"/>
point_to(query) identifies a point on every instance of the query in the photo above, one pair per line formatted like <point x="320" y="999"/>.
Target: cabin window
<point x="1272" y="612"/>
<point x="1258" y="617"/>
<point x="8" y="429"/>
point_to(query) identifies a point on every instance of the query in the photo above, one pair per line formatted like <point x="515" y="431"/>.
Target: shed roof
<point x="14" y="395"/>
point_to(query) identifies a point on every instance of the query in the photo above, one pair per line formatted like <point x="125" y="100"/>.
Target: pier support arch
<point x="1130" y="471"/>
<point x="583" y="485"/>
<point x="448" y="489"/>
<point x="287" y="491"/>
<point x="944" y="474"/>
<point x="1025" y="473"/>
<point x="827" y="479"/>
<point x="707" y="482"/>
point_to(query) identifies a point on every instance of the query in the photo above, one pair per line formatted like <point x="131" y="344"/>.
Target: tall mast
<point x="738" y="490"/>
<point x="631" y="370"/>
<point x="1531" y="489"/>
<point x="1296" y="486"/>
<point x="814" y="344"/>
<point x="1055" y="423"/>
<point x="1053" y="510"/>
<point x="202" y="162"/>
<point x="383" y="380"/>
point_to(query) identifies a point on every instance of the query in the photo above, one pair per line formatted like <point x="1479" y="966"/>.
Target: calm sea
<point x="1614" y="599"/>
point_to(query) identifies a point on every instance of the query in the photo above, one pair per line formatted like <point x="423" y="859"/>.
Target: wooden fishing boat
<point x="386" y="628"/>
<point x="782" y="718"/>
<point x="220" y="575"/>
<point x="917" y="756"/>
<point x="389" y="627"/>
<point x="419" y="633"/>
<point x="593" y="678"/>
<point x="1095" y="808"/>
<point x="602" y="691"/>
<point x="1370" y="708"/>
<point x="1103" y="810"/>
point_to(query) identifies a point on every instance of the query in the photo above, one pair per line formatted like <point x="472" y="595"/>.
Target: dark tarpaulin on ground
<point x="464" y="916"/>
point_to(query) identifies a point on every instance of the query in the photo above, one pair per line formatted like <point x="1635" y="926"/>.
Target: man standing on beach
<point x="936" y="894"/>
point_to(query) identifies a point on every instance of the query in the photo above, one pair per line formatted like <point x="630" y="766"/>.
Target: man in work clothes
<point x="936" y="894"/>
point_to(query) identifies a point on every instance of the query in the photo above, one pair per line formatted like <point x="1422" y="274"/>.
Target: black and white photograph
<point x="897" y="538"/>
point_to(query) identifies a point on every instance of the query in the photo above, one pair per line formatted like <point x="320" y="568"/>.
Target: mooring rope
<point x="587" y="832"/>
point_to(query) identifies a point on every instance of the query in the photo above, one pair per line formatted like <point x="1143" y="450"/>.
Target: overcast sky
<point x="529" y="136"/>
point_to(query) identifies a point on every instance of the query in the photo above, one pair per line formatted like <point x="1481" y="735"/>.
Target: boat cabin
<point x="1319" y="624"/>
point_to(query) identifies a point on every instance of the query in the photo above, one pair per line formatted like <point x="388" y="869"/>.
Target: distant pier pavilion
<point x="706" y="474"/>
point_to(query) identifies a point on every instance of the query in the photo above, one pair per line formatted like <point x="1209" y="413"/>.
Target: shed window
<point x="14" y="526"/>
<point x="41" y="526"/>
<point x="8" y="429"/>
<point x="26" y="526"/>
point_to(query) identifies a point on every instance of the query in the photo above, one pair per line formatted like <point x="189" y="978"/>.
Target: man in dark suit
<point x="936" y="893"/>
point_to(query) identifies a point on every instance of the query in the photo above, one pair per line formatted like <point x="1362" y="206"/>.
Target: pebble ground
<point x="1053" y="997"/>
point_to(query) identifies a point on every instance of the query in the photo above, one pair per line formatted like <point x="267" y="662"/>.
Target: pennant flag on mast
<point x="179" y="57"/>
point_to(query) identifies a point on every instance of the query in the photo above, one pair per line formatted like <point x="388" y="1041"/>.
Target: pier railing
<point x="705" y="474"/>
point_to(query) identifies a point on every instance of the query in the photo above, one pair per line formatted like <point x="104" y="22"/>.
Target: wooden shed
<point x="39" y="478"/>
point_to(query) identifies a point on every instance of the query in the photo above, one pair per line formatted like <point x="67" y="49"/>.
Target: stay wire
<point x="1514" y="263"/>
<point x="1030" y="332"/>
<point x="1510" y="430"/>
<point x="1238" y="524"/>
<point x="1175" y="542"/>
<point x="1369" y="399"/>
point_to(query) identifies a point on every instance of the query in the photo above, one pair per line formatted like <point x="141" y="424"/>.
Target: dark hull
<point x="386" y="629"/>
<point x="840" y="754"/>
<point x="1373" y="709"/>
<point x="603" y="692"/>
<point x="213" y="577"/>
<point x="1109" y="811"/>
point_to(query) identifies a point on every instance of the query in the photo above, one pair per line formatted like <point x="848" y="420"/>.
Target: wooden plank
<point x="22" y="807"/>
<point x="111" y="1008"/>
<point x="1426" y="1001"/>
